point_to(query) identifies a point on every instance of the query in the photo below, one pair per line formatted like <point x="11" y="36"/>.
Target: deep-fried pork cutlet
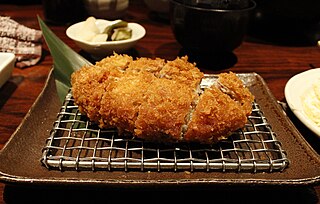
<point x="161" y="101"/>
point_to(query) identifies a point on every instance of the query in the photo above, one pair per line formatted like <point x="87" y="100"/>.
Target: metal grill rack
<point x="77" y="144"/>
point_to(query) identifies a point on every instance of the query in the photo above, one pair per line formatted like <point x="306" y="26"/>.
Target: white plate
<point x="297" y="86"/>
<point x="6" y="66"/>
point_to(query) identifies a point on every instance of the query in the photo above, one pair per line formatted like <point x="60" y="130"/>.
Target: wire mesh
<point x="75" y="143"/>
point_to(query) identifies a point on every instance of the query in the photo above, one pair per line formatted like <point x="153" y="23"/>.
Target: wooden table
<point x="275" y="63"/>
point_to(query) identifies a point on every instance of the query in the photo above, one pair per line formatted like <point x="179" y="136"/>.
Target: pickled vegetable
<point x="121" y="34"/>
<point x="114" y="31"/>
<point x="113" y="25"/>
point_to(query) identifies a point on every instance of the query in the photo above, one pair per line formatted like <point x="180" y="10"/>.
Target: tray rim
<point x="15" y="179"/>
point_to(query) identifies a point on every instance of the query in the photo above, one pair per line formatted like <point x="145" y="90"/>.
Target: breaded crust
<point x="120" y="106"/>
<point x="91" y="82"/>
<point x="215" y="116"/>
<point x="164" y="111"/>
<point x="161" y="101"/>
<point x="89" y="85"/>
<point x="237" y="91"/>
<point x="182" y="71"/>
<point x="144" y="64"/>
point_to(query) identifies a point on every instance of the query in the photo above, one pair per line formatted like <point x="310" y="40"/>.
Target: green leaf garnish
<point x="65" y="60"/>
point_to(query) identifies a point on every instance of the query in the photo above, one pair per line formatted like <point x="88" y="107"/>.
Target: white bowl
<point x="102" y="49"/>
<point x="7" y="61"/>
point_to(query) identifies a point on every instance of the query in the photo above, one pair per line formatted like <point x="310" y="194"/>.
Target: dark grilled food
<point x="161" y="101"/>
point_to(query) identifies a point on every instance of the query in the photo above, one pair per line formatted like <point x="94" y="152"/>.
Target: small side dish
<point x="7" y="61"/>
<point x="101" y="37"/>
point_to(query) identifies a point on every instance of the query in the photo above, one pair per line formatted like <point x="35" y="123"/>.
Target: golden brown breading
<point x="237" y="91"/>
<point x="182" y="71"/>
<point x="160" y="100"/>
<point x="221" y="109"/>
<point x="215" y="116"/>
<point x="165" y="111"/>
<point x="146" y="64"/>
<point x="88" y="86"/>
<point x="91" y="82"/>
<point x="115" y="61"/>
<point x="120" y="106"/>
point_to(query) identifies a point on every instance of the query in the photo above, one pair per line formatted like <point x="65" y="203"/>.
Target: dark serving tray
<point x="20" y="159"/>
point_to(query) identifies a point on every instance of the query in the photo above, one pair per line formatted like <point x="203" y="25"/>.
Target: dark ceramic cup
<point x="215" y="27"/>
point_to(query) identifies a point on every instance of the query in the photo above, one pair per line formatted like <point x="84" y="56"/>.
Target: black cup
<point x="206" y="28"/>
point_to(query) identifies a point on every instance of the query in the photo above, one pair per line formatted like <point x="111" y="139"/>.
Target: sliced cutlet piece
<point x="170" y="100"/>
<point x="222" y="108"/>
<point x="165" y="111"/>
<point x="231" y="85"/>
<point x="120" y="105"/>
<point x="89" y="85"/>
<point x="215" y="117"/>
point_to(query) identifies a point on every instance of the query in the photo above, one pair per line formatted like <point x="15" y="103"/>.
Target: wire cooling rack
<point x="77" y="144"/>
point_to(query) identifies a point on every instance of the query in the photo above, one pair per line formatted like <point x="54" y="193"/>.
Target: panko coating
<point x="160" y="100"/>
